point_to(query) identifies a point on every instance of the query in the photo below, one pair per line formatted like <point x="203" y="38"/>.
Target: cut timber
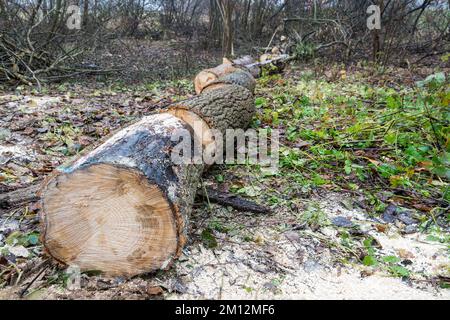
<point x="249" y="64"/>
<point x="122" y="208"/>
<point x="209" y="76"/>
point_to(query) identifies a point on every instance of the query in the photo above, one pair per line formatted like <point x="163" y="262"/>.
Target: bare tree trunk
<point x="35" y="12"/>
<point x="226" y="8"/>
<point x="245" y="16"/>
<point x="85" y="12"/>
<point x="214" y="19"/>
<point x="376" y="37"/>
<point x="258" y="17"/>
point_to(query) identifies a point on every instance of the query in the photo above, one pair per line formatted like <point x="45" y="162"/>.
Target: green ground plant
<point x="387" y="144"/>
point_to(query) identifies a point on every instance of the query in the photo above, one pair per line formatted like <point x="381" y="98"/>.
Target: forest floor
<point x="360" y="206"/>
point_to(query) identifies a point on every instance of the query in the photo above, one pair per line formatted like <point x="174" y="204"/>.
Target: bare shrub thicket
<point x="41" y="41"/>
<point x="407" y="27"/>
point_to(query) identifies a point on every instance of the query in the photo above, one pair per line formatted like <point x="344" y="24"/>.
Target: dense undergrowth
<point x="353" y="136"/>
<point x="389" y="147"/>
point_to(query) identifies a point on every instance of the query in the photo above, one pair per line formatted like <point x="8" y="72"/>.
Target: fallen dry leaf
<point x="155" y="291"/>
<point x="381" y="227"/>
<point x="405" y="254"/>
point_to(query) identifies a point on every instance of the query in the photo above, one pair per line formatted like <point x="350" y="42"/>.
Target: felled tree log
<point x="124" y="208"/>
<point x="209" y="76"/>
<point x="225" y="103"/>
<point x="249" y="64"/>
<point x="246" y="64"/>
<point x="239" y="77"/>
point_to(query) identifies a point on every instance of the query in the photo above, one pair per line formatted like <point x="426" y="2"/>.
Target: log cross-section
<point x="124" y="208"/>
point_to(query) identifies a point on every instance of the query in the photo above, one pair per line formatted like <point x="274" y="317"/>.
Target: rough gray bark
<point x="229" y="106"/>
<point x="249" y="64"/>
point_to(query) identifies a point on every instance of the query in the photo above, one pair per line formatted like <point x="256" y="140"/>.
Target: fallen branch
<point x="16" y="198"/>
<point x="231" y="200"/>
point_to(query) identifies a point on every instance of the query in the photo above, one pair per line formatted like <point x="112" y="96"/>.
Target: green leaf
<point x="433" y="238"/>
<point x="33" y="239"/>
<point x="368" y="242"/>
<point x="348" y="167"/>
<point x="399" y="271"/>
<point x="445" y="57"/>
<point x="14" y="238"/>
<point x="250" y="191"/>
<point x="370" y="261"/>
<point x="260" y="102"/>
<point x="208" y="238"/>
<point x="275" y="118"/>
<point x="319" y="181"/>
<point x="433" y="81"/>
<point x="387" y="170"/>
<point x="393" y="102"/>
<point x="391" y="138"/>
<point x="391" y="259"/>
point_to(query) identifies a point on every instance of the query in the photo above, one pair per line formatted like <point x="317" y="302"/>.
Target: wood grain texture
<point x="205" y="77"/>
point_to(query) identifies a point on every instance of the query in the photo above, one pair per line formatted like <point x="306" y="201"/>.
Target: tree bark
<point x="13" y="199"/>
<point x="235" y="103"/>
<point x="377" y="50"/>
<point x="240" y="77"/>
<point x="209" y="76"/>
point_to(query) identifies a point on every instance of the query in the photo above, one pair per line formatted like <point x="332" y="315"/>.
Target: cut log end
<point x="208" y="76"/>
<point x="199" y="126"/>
<point x="109" y="218"/>
<point x="123" y="208"/>
<point x="203" y="79"/>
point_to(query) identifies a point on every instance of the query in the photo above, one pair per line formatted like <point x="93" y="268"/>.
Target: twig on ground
<point x="44" y="265"/>
<point x="231" y="200"/>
